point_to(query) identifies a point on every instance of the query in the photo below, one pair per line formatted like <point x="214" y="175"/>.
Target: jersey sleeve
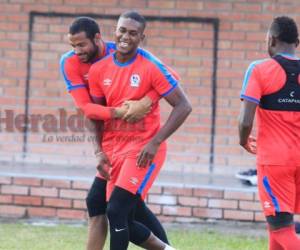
<point x="94" y="82"/>
<point x="153" y="95"/>
<point x="71" y="74"/>
<point x="251" y="89"/>
<point x="164" y="80"/>
<point x="91" y="110"/>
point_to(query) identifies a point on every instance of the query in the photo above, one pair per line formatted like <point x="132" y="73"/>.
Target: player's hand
<point x="119" y="112"/>
<point x="137" y="109"/>
<point x="251" y="144"/>
<point x="103" y="165"/>
<point x="147" y="155"/>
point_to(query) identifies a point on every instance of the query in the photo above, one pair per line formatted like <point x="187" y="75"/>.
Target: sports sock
<point x="285" y="237"/>
<point x="273" y="244"/>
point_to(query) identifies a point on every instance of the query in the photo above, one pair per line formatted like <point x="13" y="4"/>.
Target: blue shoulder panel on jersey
<point x="163" y="69"/>
<point x="248" y="74"/>
<point x="62" y="62"/>
<point x="109" y="46"/>
<point x="249" y="98"/>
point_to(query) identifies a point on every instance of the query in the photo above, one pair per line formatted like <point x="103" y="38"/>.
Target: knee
<point x="95" y="206"/>
<point x="113" y="211"/>
<point x="89" y="200"/>
<point x="98" y="219"/>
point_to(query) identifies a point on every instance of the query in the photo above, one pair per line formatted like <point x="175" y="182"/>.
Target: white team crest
<point x="135" y="80"/>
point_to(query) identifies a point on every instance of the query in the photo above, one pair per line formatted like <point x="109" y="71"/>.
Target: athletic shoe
<point x="248" y="177"/>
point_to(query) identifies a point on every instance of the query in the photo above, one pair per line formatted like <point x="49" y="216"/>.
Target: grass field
<point x="67" y="237"/>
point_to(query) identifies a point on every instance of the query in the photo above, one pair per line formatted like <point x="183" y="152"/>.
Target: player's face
<point x="85" y="48"/>
<point x="128" y="35"/>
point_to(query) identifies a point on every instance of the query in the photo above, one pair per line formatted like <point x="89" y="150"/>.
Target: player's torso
<point x="129" y="81"/>
<point x="83" y="69"/>
<point x="75" y="71"/>
<point x="278" y="130"/>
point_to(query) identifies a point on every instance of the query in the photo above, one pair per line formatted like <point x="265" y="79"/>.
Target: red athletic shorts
<point x="279" y="188"/>
<point x="125" y="174"/>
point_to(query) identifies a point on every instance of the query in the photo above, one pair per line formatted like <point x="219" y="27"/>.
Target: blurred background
<point x="233" y="30"/>
<point x="209" y="43"/>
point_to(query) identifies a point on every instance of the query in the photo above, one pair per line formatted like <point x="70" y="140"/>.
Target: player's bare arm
<point x="246" y="119"/>
<point x="181" y="109"/>
<point x="103" y="164"/>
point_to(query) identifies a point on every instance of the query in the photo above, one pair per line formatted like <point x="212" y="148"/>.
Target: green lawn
<point x="66" y="237"/>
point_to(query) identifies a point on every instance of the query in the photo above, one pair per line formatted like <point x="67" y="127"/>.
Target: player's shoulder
<point x="68" y="57"/>
<point x="110" y="47"/>
<point x="147" y="55"/>
<point x="152" y="62"/>
<point x="260" y="62"/>
<point x="102" y="63"/>
<point x="260" y="65"/>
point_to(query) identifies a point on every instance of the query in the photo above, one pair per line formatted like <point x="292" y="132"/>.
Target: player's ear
<point x="97" y="38"/>
<point x="273" y="41"/>
<point x="297" y="43"/>
<point x="143" y="41"/>
<point x="115" y="28"/>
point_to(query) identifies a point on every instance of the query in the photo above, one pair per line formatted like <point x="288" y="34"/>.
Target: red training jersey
<point x="118" y="82"/>
<point x="278" y="138"/>
<point x="75" y="72"/>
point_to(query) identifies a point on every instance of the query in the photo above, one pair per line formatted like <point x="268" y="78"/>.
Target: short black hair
<point x="284" y="29"/>
<point x="135" y="16"/>
<point x="86" y="24"/>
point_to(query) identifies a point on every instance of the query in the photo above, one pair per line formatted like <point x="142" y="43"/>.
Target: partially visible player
<point x="88" y="47"/>
<point x="139" y="150"/>
<point x="271" y="89"/>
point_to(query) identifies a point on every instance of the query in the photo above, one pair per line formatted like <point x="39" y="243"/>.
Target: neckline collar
<point x="289" y="56"/>
<point x="130" y="61"/>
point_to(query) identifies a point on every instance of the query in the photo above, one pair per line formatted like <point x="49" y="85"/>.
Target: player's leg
<point x="120" y="210"/>
<point x="120" y="206"/>
<point x="97" y="223"/>
<point x="297" y="227"/>
<point x="273" y="244"/>
<point x="145" y="216"/>
<point x="133" y="182"/>
<point x="285" y="239"/>
<point x="148" y="239"/>
<point x="297" y="205"/>
<point x="277" y="191"/>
